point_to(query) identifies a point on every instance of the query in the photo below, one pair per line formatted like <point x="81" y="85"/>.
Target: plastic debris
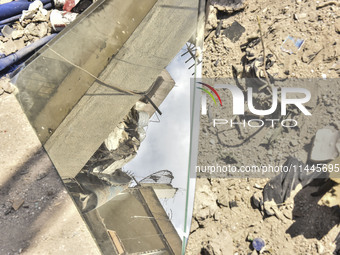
<point x="292" y="45"/>
<point x="70" y="4"/>
<point x="281" y="187"/>
<point x="60" y="19"/>
<point x="258" y="244"/>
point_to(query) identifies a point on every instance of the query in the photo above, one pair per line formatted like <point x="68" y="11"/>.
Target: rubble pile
<point x="37" y="20"/>
<point x="273" y="43"/>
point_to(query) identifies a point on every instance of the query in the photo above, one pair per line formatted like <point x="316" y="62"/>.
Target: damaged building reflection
<point x="122" y="207"/>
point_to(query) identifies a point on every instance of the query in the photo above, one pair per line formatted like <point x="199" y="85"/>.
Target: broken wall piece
<point x="326" y="145"/>
<point x="229" y="6"/>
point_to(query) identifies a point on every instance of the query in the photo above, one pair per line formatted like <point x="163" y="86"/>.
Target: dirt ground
<point x="37" y="216"/>
<point x="225" y="220"/>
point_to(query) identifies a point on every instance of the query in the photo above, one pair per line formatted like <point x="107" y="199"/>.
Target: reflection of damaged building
<point x="88" y="104"/>
<point x="122" y="218"/>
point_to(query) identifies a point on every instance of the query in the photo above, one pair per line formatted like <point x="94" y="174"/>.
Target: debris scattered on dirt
<point x="300" y="225"/>
<point x="36" y="22"/>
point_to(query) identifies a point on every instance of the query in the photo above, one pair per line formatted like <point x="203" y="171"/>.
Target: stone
<point x="325" y="145"/>
<point x="16" y="34"/>
<point x="300" y="16"/>
<point x="19" y="44"/>
<point x="17" y="204"/>
<point x="320" y="248"/>
<point x="337" y="27"/>
<point x="7" y="31"/>
<point x="6" y="85"/>
<point x="9" y="47"/>
<point x="212" y="18"/>
<point x="229" y="6"/>
<point x="223" y="200"/>
<point x="257" y="199"/>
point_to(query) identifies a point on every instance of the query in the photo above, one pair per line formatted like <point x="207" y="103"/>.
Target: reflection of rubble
<point x="102" y="178"/>
<point x="93" y="190"/>
<point x="121" y="146"/>
<point x="161" y="184"/>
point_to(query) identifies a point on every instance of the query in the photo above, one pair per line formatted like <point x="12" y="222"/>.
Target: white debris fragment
<point x="60" y="19"/>
<point x="34" y="8"/>
<point x="325" y="145"/>
<point x="116" y="137"/>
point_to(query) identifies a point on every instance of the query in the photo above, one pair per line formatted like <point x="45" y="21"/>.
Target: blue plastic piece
<point x="258" y="244"/>
<point x="11" y="59"/>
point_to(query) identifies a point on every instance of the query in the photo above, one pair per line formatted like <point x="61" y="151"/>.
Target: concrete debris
<point x="143" y="119"/>
<point x="33" y="10"/>
<point x="229" y="6"/>
<point x="6" y="85"/>
<point x="95" y="189"/>
<point x="17" y="204"/>
<point x="205" y="204"/>
<point x="212" y="18"/>
<point x="60" y="19"/>
<point x="116" y="137"/>
<point x="38" y="30"/>
<point x="35" y="23"/>
<point x="121" y="145"/>
<point x="16" y="34"/>
<point x="9" y="47"/>
<point x="7" y="31"/>
<point x="326" y="145"/>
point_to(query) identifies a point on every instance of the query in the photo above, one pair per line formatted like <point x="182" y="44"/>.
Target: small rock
<point x="6" y="85"/>
<point x="258" y="186"/>
<point x="337" y="27"/>
<point x="294" y="143"/>
<point x="16" y="34"/>
<point x="257" y="199"/>
<point x="233" y="204"/>
<point x="17" y="204"/>
<point x="7" y="31"/>
<point x="300" y="16"/>
<point x="250" y="237"/>
<point x="19" y="44"/>
<point x="9" y="47"/>
<point x="320" y="248"/>
<point x="222" y="200"/>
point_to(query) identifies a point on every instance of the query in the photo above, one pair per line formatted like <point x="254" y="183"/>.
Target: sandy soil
<point x="37" y="216"/>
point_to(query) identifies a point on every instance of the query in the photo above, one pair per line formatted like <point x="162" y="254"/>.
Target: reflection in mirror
<point x="134" y="186"/>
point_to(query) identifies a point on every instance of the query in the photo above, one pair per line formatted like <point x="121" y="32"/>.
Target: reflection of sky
<point x="166" y="146"/>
